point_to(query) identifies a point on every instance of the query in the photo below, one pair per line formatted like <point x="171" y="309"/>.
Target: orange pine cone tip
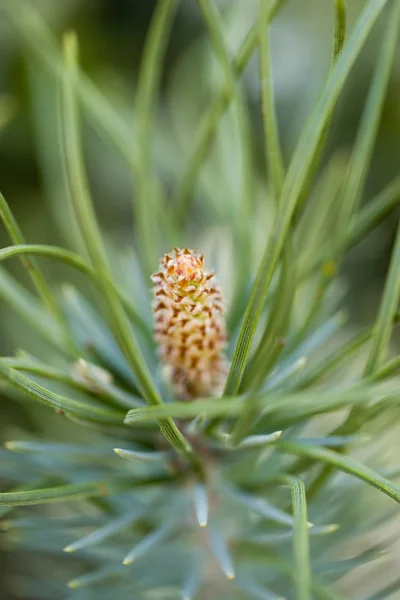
<point x="189" y="324"/>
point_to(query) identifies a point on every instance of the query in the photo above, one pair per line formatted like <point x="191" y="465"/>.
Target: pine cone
<point x="189" y="324"/>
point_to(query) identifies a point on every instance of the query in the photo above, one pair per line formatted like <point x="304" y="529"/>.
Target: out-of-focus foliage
<point x="177" y="152"/>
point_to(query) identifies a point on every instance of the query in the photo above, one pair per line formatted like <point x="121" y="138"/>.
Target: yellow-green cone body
<point x="189" y="324"/>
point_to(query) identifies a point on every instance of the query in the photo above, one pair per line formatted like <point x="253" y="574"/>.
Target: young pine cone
<point x="189" y="326"/>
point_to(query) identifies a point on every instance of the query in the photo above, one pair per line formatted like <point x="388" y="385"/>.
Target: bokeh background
<point x="112" y="34"/>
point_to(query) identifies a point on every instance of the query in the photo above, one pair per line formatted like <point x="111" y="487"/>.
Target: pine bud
<point x="189" y="324"/>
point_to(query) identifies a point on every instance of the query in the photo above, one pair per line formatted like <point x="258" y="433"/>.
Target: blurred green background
<point x="112" y="35"/>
